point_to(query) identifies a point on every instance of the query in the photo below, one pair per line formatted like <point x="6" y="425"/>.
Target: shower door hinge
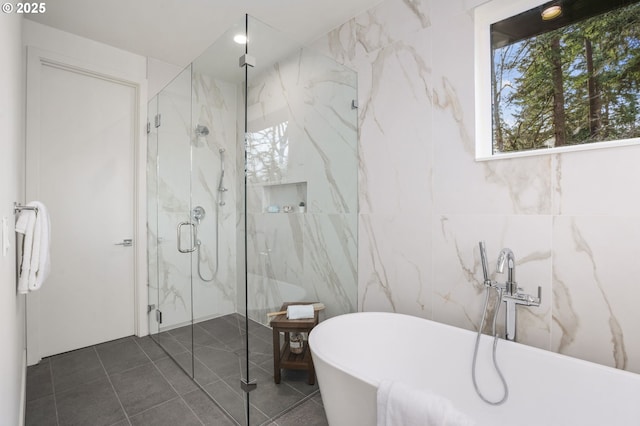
<point x="150" y="308"/>
<point x="157" y="120"/>
<point x="248" y="386"/>
<point x="354" y="104"/>
<point x="247" y="59"/>
<point x="159" y="316"/>
<point x="148" y="127"/>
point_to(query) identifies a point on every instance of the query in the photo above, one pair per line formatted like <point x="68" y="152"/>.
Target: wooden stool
<point x="282" y="355"/>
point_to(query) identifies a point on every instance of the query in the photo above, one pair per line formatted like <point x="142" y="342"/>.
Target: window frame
<point x="484" y="16"/>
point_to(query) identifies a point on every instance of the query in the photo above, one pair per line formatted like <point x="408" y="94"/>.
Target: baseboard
<point x="23" y="388"/>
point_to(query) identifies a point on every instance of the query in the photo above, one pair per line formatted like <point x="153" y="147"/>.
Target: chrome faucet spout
<point x="507" y="256"/>
<point x="510" y="290"/>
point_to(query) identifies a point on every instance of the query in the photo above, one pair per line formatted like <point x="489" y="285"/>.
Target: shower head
<point x="202" y="130"/>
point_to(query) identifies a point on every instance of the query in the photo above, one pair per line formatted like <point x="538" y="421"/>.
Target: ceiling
<point x="177" y="31"/>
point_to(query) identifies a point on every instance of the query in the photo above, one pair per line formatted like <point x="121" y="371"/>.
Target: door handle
<point x="127" y="242"/>
<point x="194" y="229"/>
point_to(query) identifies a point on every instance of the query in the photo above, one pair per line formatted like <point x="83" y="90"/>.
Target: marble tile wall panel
<point x="294" y="262"/>
<point x="311" y="255"/>
<point x="395" y="263"/>
<point x="275" y="245"/>
<point x="492" y="187"/>
<point x="459" y="294"/>
<point x="330" y="274"/>
<point x="398" y="167"/>
<point x="595" y="284"/>
<point x="214" y="105"/>
<point x="374" y="29"/>
<point x="313" y="94"/>
<point x="598" y="182"/>
<point x="425" y="202"/>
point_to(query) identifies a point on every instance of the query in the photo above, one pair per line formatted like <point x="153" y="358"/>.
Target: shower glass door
<point x="175" y="234"/>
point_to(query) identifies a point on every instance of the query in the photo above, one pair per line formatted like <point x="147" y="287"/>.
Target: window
<point x="268" y="153"/>
<point x="564" y="83"/>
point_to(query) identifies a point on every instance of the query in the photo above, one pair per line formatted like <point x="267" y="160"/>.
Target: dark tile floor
<point x="132" y="381"/>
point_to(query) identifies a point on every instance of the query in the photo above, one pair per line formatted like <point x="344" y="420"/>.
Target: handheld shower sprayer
<point x="488" y="284"/>
<point x="221" y="188"/>
<point x="485" y="265"/>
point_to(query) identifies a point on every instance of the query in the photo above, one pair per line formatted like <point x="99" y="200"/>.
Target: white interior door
<point x="81" y="137"/>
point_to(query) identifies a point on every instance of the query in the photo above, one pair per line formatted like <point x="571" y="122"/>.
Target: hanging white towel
<point x="400" y="404"/>
<point x="25" y="225"/>
<point x="36" y="262"/>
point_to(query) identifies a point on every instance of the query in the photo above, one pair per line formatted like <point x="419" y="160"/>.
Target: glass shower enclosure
<point x="252" y="202"/>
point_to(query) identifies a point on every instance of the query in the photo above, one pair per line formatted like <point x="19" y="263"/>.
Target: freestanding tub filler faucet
<point x="511" y="295"/>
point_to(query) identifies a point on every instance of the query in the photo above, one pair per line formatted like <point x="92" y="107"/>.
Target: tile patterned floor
<point x="132" y="382"/>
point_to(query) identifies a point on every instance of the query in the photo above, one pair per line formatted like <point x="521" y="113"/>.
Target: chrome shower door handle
<point x="194" y="229"/>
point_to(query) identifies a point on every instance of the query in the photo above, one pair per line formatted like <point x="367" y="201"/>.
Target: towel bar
<point x="17" y="208"/>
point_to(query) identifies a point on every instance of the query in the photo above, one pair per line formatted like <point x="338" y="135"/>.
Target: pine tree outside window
<point x="569" y="82"/>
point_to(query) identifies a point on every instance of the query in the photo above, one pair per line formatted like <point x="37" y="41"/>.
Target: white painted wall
<point x="159" y="74"/>
<point x="12" y="359"/>
<point x="128" y="66"/>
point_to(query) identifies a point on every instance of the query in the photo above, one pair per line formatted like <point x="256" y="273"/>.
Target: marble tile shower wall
<point x="311" y="255"/>
<point x="211" y="103"/>
<point x="573" y="220"/>
<point x="215" y="105"/>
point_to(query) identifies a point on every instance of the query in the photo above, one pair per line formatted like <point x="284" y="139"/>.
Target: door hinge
<point x="150" y="308"/>
<point x="159" y="316"/>
<point x="158" y="120"/>
<point x="148" y="127"/>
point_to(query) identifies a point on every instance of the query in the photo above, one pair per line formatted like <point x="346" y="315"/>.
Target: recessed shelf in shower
<point x="283" y="194"/>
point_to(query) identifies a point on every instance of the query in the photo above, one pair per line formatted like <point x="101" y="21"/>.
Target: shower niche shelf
<point x="276" y="196"/>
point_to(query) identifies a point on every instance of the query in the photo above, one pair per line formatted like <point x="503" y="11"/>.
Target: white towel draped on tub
<point x="35" y="247"/>
<point x="402" y="405"/>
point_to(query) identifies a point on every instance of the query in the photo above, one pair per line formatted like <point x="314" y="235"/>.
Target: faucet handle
<point x="539" y="295"/>
<point x="524" y="299"/>
<point x="535" y="301"/>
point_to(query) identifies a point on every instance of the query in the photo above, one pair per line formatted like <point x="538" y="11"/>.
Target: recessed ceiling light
<point x="551" y="12"/>
<point x="240" y="38"/>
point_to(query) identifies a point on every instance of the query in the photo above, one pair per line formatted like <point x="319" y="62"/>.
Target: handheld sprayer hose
<point x="495" y="344"/>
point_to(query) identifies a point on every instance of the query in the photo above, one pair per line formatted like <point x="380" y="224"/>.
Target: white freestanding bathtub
<point x="353" y="353"/>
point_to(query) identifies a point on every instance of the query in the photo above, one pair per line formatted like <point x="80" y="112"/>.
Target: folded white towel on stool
<point x="300" y="311"/>
<point x="402" y="404"/>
